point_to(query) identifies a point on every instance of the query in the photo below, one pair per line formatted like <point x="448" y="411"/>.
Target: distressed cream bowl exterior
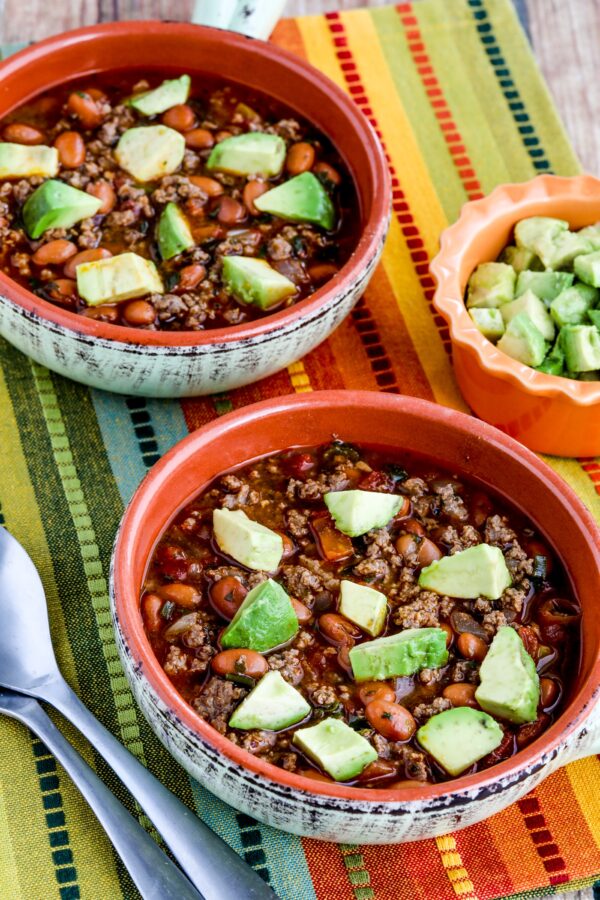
<point x="334" y="811"/>
<point x="171" y="364"/>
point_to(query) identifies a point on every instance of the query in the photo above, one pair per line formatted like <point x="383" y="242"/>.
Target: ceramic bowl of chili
<point x="454" y="443"/>
<point x="547" y="413"/>
<point x="171" y="356"/>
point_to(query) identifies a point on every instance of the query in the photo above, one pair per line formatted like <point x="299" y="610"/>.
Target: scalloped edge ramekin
<point x="547" y="413"/>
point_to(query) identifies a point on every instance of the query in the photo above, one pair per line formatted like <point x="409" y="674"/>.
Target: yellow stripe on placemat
<point x="9" y="872"/>
<point x="299" y="378"/>
<point x="452" y="862"/>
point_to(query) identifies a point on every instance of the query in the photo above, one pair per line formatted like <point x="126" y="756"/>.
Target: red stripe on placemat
<point x="438" y="102"/>
<point x="543" y="841"/>
<point x="400" y="207"/>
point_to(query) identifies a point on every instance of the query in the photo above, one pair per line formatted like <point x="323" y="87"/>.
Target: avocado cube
<point x="364" y="606"/>
<point x="491" y="285"/>
<point x="117" y="278"/>
<point x="399" y="654"/>
<point x="548" y="238"/>
<point x="571" y="306"/>
<point x="594" y="317"/>
<point x="170" y="93"/>
<point x="150" y="151"/>
<point x="22" y="161"/>
<point x="523" y="341"/>
<point x="510" y="686"/>
<point x="520" y="259"/>
<point x="581" y="346"/>
<point x="554" y="363"/>
<point x="252" y="153"/>
<point x="478" y="571"/>
<point x="459" y="737"/>
<point x="545" y="285"/>
<point x="489" y="322"/>
<point x="254" y="281"/>
<point x="592" y="235"/>
<point x="535" y="308"/>
<point x="265" y="619"/>
<point x="272" y="705"/>
<point x="173" y="233"/>
<point x="356" y="512"/>
<point x="339" y="750"/>
<point x="249" y="543"/>
<point x="301" y="199"/>
<point x="588" y="268"/>
<point x="57" y="205"/>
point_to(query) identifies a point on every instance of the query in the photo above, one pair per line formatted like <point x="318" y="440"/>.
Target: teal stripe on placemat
<point x="8" y="49"/>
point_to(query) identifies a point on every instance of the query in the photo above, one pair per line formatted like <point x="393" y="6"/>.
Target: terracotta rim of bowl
<point x="449" y="295"/>
<point x="127" y="610"/>
<point x="371" y="235"/>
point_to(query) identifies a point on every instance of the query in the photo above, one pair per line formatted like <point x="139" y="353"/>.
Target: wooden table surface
<point x="565" y="37"/>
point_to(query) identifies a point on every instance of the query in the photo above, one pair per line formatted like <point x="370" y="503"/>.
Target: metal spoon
<point x="28" y="665"/>
<point x="151" y="870"/>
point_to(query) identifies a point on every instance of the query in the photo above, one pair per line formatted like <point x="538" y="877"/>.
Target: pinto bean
<point x="227" y="595"/>
<point x="321" y="272"/>
<point x="337" y="629"/>
<point x="105" y="192"/>
<point x="449" y="633"/>
<point x="82" y="106"/>
<point x="230" y="211"/>
<point x="461" y="694"/>
<point x="190" y="277"/>
<point x="222" y="135"/>
<point x="151" y="607"/>
<point x="70" y="269"/>
<point x="252" y="190"/>
<point x="323" y="168"/>
<point x="379" y="768"/>
<point x="19" y="133"/>
<point x="54" y="253"/>
<point x="184" y="595"/>
<point x="303" y="613"/>
<point x="71" y="149"/>
<point x="199" y="139"/>
<point x="63" y="290"/>
<point x="106" y="312"/>
<point x="412" y="526"/>
<point x="300" y="158"/>
<point x="471" y="647"/>
<point x="210" y="186"/>
<point x="239" y="662"/>
<point x="180" y="117"/>
<point x="391" y="720"/>
<point x="139" y="312"/>
<point x="375" y="690"/>
<point x="549" y="691"/>
<point x="426" y="551"/>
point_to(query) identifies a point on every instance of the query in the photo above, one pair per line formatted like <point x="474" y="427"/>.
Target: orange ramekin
<point x="547" y="413"/>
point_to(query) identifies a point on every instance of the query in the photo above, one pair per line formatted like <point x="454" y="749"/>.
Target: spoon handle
<point x="151" y="870"/>
<point x="210" y="864"/>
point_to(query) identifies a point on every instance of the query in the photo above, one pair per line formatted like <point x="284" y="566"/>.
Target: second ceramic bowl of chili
<point x="179" y="228"/>
<point x="360" y="617"/>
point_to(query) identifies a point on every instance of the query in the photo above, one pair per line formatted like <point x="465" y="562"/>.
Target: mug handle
<point x="587" y="741"/>
<point x="254" y="18"/>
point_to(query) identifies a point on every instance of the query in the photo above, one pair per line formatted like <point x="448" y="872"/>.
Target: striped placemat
<point x="453" y="91"/>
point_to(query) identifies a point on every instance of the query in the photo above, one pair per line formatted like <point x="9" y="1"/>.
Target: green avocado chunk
<point x="594" y="317"/>
<point x="520" y="259"/>
<point x="572" y="305"/>
<point x="339" y="750"/>
<point x="150" y="151"/>
<point x="252" y="153"/>
<point x="254" y="281"/>
<point x="479" y="571"/>
<point x="399" y="654"/>
<point x="57" y="205"/>
<point x="581" y="346"/>
<point x="266" y="619"/>
<point x="523" y="341"/>
<point x="592" y="234"/>
<point x="364" y="606"/>
<point x="23" y="161"/>
<point x="117" y="278"/>
<point x="510" y="686"/>
<point x="535" y="308"/>
<point x="272" y="705"/>
<point x="491" y="285"/>
<point x="554" y="363"/>
<point x="551" y="240"/>
<point x="301" y="199"/>
<point x="459" y="737"/>
<point x="160" y="99"/>
<point x="356" y="512"/>
<point x="489" y="321"/>
<point x="173" y="233"/>
<point x="587" y="268"/>
<point x="545" y="285"/>
<point x="249" y="543"/>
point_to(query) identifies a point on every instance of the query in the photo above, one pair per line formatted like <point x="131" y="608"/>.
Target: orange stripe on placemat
<point x="198" y="411"/>
<point x="412" y="871"/>
<point x="327" y="870"/>
<point x="287" y="35"/>
<point x="400" y="207"/>
<point x="592" y="469"/>
<point x="438" y="102"/>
